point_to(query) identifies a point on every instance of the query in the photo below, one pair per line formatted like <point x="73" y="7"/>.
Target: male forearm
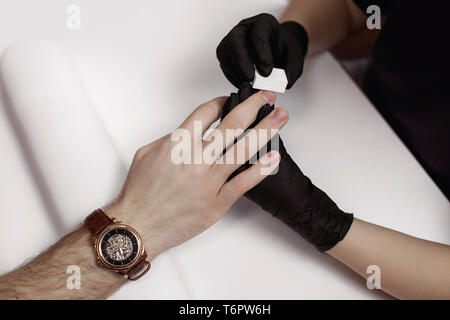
<point x="410" y="268"/>
<point x="45" y="277"/>
<point x="326" y="22"/>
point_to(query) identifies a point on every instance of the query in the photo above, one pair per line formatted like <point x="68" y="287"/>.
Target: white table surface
<point x="146" y="65"/>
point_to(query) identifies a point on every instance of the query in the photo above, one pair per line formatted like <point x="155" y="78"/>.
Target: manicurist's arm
<point x="410" y="268"/>
<point x="326" y="22"/>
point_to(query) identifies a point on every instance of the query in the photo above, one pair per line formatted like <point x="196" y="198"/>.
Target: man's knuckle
<point x="206" y="110"/>
<point x="235" y="122"/>
<point x="141" y="152"/>
<point x="240" y="185"/>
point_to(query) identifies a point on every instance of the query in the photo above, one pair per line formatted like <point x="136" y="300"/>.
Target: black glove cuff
<point x="299" y="31"/>
<point x="318" y="219"/>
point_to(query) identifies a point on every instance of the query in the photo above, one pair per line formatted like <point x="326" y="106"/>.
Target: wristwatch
<point x="118" y="246"/>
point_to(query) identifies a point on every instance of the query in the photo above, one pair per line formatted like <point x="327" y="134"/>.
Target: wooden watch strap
<point x="97" y="221"/>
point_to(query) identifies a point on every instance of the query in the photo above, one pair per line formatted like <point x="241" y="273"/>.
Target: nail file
<point x="276" y="81"/>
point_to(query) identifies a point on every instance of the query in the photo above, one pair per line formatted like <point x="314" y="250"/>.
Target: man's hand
<point x="168" y="203"/>
<point x="262" y="41"/>
<point x="165" y="202"/>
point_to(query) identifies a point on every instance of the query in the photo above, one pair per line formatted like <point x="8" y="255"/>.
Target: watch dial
<point x="119" y="246"/>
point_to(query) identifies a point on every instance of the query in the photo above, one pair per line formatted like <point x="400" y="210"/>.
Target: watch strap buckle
<point x="138" y="271"/>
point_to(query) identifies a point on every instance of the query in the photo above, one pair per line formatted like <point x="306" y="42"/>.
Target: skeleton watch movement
<point x="117" y="246"/>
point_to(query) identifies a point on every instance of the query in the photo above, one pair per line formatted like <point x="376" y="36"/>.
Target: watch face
<point x="119" y="247"/>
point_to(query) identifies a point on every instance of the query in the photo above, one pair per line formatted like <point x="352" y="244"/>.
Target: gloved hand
<point x="291" y="196"/>
<point x="262" y="41"/>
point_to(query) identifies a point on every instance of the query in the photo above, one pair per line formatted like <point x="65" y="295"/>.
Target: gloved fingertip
<point x="265" y="69"/>
<point x="291" y="83"/>
<point x="249" y="74"/>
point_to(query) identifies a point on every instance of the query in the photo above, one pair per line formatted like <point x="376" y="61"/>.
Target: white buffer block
<point x="276" y="81"/>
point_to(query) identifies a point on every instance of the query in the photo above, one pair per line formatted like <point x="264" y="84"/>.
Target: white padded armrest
<point x="70" y="153"/>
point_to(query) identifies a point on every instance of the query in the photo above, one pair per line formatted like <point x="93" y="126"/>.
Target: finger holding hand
<point x="261" y="40"/>
<point x="234" y="57"/>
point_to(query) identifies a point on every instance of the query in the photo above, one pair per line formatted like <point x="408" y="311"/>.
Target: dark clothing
<point x="408" y="80"/>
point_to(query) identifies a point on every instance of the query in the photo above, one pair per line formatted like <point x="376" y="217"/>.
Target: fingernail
<point x="274" y="157"/>
<point x="278" y="116"/>
<point x="270" y="159"/>
<point x="269" y="97"/>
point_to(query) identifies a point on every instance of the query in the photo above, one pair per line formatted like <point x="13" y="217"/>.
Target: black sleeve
<point x="385" y="5"/>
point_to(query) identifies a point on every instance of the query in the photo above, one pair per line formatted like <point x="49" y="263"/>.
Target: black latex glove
<point x="262" y="41"/>
<point x="290" y="196"/>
